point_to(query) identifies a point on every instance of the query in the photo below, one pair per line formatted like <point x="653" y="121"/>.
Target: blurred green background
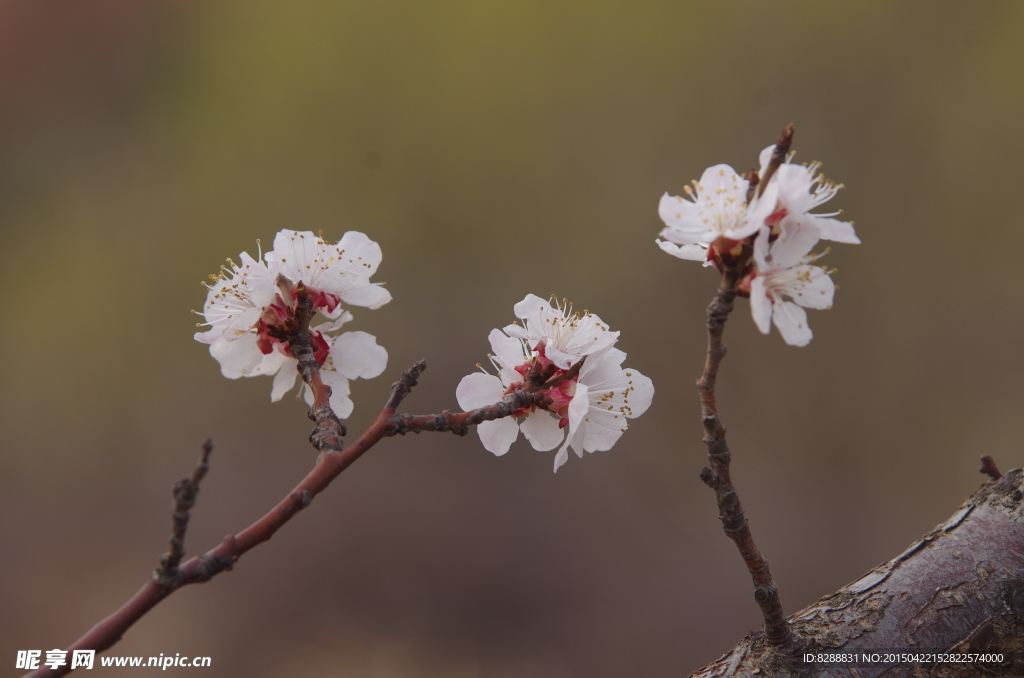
<point x="492" y="149"/>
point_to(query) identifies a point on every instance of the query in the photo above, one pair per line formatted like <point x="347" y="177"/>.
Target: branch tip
<point x="184" y="492"/>
<point x="989" y="468"/>
<point x="403" y="387"/>
<point x="779" y="155"/>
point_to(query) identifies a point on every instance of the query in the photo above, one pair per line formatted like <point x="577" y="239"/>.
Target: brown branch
<point x="329" y="431"/>
<point x="730" y="510"/>
<point x="573" y="370"/>
<point x="185" y="491"/>
<point x="403" y="387"/>
<point x="459" y="423"/>
<point x="329" y="464"/>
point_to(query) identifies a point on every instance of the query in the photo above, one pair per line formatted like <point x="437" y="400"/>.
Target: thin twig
<point x="730" y="510"/>
<point x="782" y="147"/>
<point x="185" y="491"/>
<point x="404" y="385"/>
<point x="459" y="423"/>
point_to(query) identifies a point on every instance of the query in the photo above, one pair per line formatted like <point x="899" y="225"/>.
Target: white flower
<point x="801" y="188"/>
<point x="246" y="310"/>
<point x="716" y="209"/>
<point x="480" y="390"/>
<point x="234" y="304"/>
<point x="605" y="396"/>
<point x="566" y="336"/>
<point x="788" y="275"/>
<point x="592" y="399"/>
<point x="342" y="269"/>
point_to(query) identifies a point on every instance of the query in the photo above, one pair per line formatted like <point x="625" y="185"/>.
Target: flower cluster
<point x="250" y="303"/>
<point x="570" y="358"/>
<point x="768" y="230"/>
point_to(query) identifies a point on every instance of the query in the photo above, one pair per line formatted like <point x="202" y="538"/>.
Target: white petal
<point x="242" y="323"/>
<point x="478" y="390"/>
<point x="795" y="183"/>
<point x="237" y="358"/>
<point x="359" y="253"/>
<point x="835" y="230"/>
<point x="210" y="336"/>
<point x="570" y="339"/>
<point x="371" y="296"/>
<point x="761" y="248"/>
<point x="284" y="381"/>
<point x="760" y="305"/>
<point x="642" y="395"/>
<point x="294" y="251"/>
<point x="793" y="243"/>
<point x="341" y="405"/>
<point x="615" y="395"/>
<point x="760" y="209"/>
<point x="339" y="392"/>
<point x="541" y="429"/>
<point x="683" y="219"/>
<point x="561" y="458"/>
<point x="765" y="158"/>
<point x="272" y="362"/>
<point x="517" y="331"/>
<point x="602" y="431"/>
<point x="508" y="355"/>
<point x="687" y="252"/>
<point x="498" y="435"/>
<point x="560" y="358"/>
<point x="235" y="303"/>
<point x="579" y="406"/>
<point x="508" y="350"/>
<point x="356" y="355"/>
<point x="340" y="402"/>
<point x="792" y="323"/>
<point x="602" y="366"/>
<point x="335" y="269"/>
<point x="533" y="310"/>
<point x="817" y="290"/>
<point x="340" y="317"/>
<point x="259" y="280"/>
<point x="722" y="178"/>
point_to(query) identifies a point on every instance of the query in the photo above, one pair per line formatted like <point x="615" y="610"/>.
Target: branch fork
<point x="334" y="458"/>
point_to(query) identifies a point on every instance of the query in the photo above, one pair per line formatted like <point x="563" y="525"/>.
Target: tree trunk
<point x="959" y="590"/>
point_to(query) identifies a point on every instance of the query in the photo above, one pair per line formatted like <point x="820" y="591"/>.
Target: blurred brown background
<point x="493" y="149"/>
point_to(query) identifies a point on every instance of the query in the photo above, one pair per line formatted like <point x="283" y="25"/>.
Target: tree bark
<point x="959" y="589"/>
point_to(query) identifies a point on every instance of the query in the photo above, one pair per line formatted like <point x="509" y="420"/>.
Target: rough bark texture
<point x="958" y="589"/>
